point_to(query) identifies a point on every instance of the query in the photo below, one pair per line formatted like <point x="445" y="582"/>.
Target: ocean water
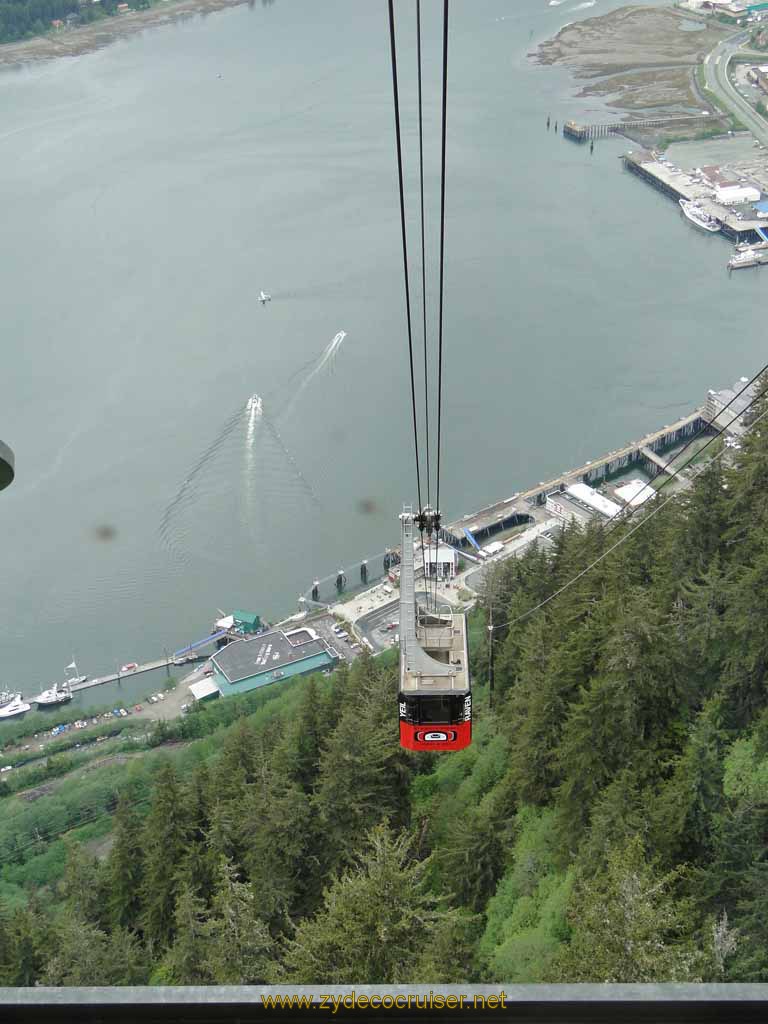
<point x="182" y="448"/>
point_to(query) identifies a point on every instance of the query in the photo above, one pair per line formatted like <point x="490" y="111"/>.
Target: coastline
<point x="87" y="38"/>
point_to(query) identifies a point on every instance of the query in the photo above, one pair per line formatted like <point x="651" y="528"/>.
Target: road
<point x="716" y="76"/>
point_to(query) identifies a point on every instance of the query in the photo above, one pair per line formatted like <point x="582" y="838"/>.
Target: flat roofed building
<point x="494" y="548"/>
<point x="560" y="505"/>
<point x="245" y="665"/>
<point x="246" y="622"/>
<point x="593" y="499"/>
<point x="724" y="410"/>
<point x="634" y="492"/>
<point x="204" y="690"/>
<point x="442" y="561"/>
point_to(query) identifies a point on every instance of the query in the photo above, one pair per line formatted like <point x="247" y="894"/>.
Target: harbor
<point x="600" y="488"/>
<point x="724" y="194"/>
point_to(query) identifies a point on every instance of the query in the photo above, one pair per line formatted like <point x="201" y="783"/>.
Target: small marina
<point x="599" y="488"/>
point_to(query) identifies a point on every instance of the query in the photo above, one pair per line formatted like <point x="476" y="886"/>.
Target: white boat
<point x="54" y="695"/>
<point x="697" y="216"/>
<point x="6" y="697"/>
<point x="75" y="679"/>
<point x="17" y="706"/>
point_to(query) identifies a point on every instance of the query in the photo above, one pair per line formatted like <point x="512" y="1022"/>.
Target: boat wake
<point x="248" y="466"/>
<point x="326" y="360"/>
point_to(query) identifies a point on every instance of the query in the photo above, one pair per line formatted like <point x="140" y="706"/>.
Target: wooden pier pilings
<point x="584" y="132"/>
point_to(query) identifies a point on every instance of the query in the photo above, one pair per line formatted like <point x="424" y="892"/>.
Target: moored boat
<point x="17" y="706"/>
<point x="697" y="216"/>
<point x="53" y="695"/>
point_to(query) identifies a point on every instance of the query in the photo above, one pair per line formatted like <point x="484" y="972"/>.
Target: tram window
<point x="435" y="710"/>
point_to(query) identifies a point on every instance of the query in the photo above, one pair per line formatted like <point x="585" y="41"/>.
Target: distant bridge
<point x="583" y="132"/>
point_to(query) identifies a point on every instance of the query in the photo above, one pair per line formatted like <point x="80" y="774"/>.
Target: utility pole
<point x="167" y="663"/>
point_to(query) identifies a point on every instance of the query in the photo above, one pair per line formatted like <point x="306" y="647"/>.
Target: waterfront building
<point x="634" y="492"/>
<point x="579" y="502"/>
<point x="204" y="690"/>
<point x="442" y="561"/>
<point x="567" y="510"/>
<point x="244" y="665"/>
<point x="720" y="417"/>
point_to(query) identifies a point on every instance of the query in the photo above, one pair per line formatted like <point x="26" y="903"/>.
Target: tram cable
<point x="393" y="50"/>
<point x="427" y="582"/>
<point x="635" y="528"/>
<point x="442" y="269"/>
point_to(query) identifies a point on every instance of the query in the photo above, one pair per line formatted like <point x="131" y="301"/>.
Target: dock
<point x="523" y="506"/>
<point x="677" y="184"/>
<point x="585" y="132"/>
<point x="115" y="677"/>
<point x="742" y="260"/>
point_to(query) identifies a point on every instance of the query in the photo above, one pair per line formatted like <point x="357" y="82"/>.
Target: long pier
<point x="115" y="677"/>
<point x="585" y="132"/>
<point x="676" y="184"/>
<point x="521" y="507"/>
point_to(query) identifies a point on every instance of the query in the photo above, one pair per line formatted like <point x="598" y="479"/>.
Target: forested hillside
<point x="609" y="823"/>
<point x="23" y="19"/>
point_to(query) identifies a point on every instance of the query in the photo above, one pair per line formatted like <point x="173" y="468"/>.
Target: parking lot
<point x="347" y="647"/>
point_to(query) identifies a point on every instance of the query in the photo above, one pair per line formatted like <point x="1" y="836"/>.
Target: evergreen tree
<point x="186" y="961"/>
<point x="81" y="886"/>
<point x="125" y="867"/>
<point x="165" y="837"/>
<point x="276" y="834"/>
<point x="298" y="755"/>
<point x="628" y="926"/>
<point x="239" y="948"/>
<point x="375" y="922"/>
<point x="364" y="774"/>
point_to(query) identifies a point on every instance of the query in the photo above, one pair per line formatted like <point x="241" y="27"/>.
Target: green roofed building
<point x="247" y="622"/>
<point x="271" y="657"/>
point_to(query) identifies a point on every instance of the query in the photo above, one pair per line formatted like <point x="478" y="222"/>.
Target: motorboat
<point x="697" y="216"/>
<point x="54" y="695"/>
<point x="17" y="706"/>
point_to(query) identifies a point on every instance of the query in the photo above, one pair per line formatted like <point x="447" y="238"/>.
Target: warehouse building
<point x="245" y="665"/>
<point x="580" y="502"/>
<point x="725" y="409"/>
<point x="442" y="562"/>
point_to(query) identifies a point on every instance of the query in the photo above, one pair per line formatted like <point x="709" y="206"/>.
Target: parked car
<point x="123" y="713"/>
<point x="137" y="707"/>
<point x="152" y="699"/>
<point x="160" y="696"/>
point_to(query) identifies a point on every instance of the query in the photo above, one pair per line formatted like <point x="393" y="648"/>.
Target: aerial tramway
<point x="434" y="692"/>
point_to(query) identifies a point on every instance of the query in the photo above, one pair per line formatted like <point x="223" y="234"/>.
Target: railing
<point x="521" y="1004"/>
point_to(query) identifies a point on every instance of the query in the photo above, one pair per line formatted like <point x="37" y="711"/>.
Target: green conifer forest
<point x="609" y="822"/>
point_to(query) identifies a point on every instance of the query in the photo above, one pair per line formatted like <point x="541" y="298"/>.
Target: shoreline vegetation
<point x="73" y="41"/>
<point x="639" y="61"/>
